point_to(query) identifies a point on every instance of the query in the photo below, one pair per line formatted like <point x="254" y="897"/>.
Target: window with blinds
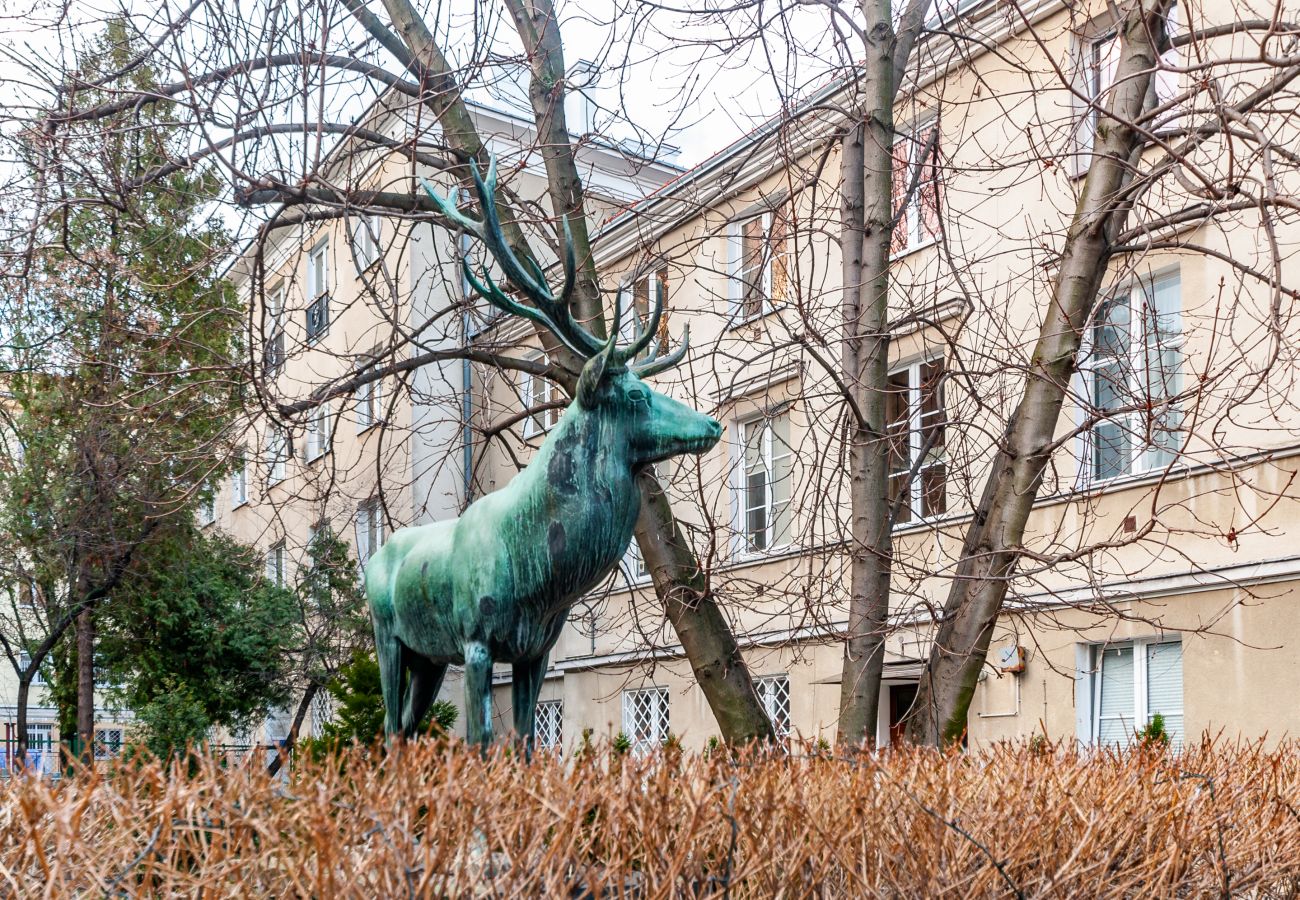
<point x="1131" y="683"/>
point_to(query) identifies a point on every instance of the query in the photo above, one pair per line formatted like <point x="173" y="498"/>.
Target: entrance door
<point x="901" y="698"/>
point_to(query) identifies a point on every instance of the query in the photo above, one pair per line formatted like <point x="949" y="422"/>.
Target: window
<point x="208" y="507"/>
<point x="318" y="308"/>
<point x="550" y="724"/>
<point x="277" y="454"/>
<point x="636" y="299"/>
<point x="645" y="718"/>
<point x="273" y="349"/>
<point x="239" y="482"/>
<point x="108" y="742"/>
<point x="759" y="264"/>
<point x="1128" y="684"/>
<point x="918" y="213"/>
<point x="1100" y="60"/>
<point x="633" y="565"/>
<point x="275" y="564"/>
<point x="369" y="405"/>
<point x="29" y="592"/>
<point x="538" y="391"/>
<point x="774" y="692"/>
<point x="366" y="232"/>
<point x="1131" y="374"/>
<point x="765" y="478"/>
<point x="40" y="736"/>
<point x="25" y="660"/>
<point x="915" y="412"/>
<point x="370" y="530"/>
<point x="319" y="432"/>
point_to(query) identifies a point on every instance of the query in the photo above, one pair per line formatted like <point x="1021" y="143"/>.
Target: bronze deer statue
<point x="496" y="584"/>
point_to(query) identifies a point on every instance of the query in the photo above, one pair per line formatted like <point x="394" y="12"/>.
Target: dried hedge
<point x="438" y="820"/>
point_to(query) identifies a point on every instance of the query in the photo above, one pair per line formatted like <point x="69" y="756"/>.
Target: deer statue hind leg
<point x="478" y="694"/>
<point x="426" y="678"/>
<point x="527" y="678"/>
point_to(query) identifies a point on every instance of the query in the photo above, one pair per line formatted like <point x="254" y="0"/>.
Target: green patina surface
<point x="496" y="585"/>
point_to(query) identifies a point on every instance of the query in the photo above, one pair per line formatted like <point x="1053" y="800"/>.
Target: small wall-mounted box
<point x="1012" y="659"/>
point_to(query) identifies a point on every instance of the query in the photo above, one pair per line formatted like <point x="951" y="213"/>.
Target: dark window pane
<point x="897" y="484"/>
<point x="934" y="497"/>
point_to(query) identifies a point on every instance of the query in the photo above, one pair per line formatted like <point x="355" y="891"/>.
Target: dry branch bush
<point x="438" y="820"/>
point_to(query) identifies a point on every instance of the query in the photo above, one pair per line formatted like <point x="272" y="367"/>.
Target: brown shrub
<point x="438" y="820"/>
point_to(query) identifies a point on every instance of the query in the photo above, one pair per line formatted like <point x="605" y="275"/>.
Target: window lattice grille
<point x="645" y="718"/>
<point x="774" y="691"/>
<point x="550" y="724"/>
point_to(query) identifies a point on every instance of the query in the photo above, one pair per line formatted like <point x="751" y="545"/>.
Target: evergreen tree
<point x="122" y="379"/>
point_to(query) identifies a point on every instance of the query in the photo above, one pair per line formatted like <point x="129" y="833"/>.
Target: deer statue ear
<point x="589" y="381"/>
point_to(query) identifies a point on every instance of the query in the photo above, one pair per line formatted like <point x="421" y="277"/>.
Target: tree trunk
<point x="85" y="685"/>
<point x="20" y="739"/>
<point x="866" y="234"/>
<point x="994" y="538"/>
<point x="291" y="740"/>
<point x="707" y="639"/>
<point x="703" y="631"/>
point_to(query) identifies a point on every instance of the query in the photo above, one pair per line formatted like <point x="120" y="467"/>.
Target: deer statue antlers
<point x="547" y="310"/>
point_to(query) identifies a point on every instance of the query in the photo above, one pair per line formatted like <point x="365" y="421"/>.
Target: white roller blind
<point x="1115" y="711"/>
<point x="1165" y="687"/>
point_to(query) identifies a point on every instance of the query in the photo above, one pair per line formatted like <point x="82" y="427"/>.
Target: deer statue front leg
<point x="478" y="694"/>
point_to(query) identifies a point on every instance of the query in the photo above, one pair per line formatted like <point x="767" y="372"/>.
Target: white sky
<point x="663" y="72"/>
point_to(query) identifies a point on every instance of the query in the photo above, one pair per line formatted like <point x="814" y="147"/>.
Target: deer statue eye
<point x="638" y="395"/>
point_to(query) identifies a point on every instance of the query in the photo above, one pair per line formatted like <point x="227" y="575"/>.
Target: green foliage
<point x="1153" y="736"/>
<point x="359" y="708"/>
<point x="200" y="619"/>
<point x="622" y="744"/>
<point x="171" y="722"/>
<point x="123" y="377"/>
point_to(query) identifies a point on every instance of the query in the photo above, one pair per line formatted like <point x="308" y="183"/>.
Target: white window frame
<point x="771" y="455"/>
<point x="656" y="292"/>
<point x="370" y="529"/>
<point x="273" y="351"/>
<point x="1099" y="59"/>
<point x="1143" y="456"/>
<point x="318" y="270"/>
<point x="774" y="693"/>
<point x="537" y="390"/>
<point x="40" y="735"/>
<point x="1089" y="679"/>
<point x="936" y="456"/>
<point x="276" y="455"/>
<point x="208" y="509"/>
<point x="367" y="235"/>
<point x="550" y="725"/>
<point x="318" y="292"/>
<point x="633" y="565"/>
<point x="660" y="721"/>
<point x="369" y="405"/>
<point x="320" y="432"/>
<point x="275" y="564"/>
<point x="25" y="660"/>
<point x="767" y="286"/>
<point x="239" y="481"/>
<point x="916" y="138"/>
<point x="108" y="749"/>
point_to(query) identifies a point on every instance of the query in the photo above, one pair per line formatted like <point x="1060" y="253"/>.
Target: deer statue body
<point x="496" y="584"/>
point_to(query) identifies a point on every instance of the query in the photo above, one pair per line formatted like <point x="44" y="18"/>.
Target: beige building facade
<point x="1160" y="564"/>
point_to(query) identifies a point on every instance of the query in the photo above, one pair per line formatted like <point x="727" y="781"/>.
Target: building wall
<point x="1004" y="221"/>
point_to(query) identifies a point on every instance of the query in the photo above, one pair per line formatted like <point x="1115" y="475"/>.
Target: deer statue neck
<point x="581" y="496"/>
